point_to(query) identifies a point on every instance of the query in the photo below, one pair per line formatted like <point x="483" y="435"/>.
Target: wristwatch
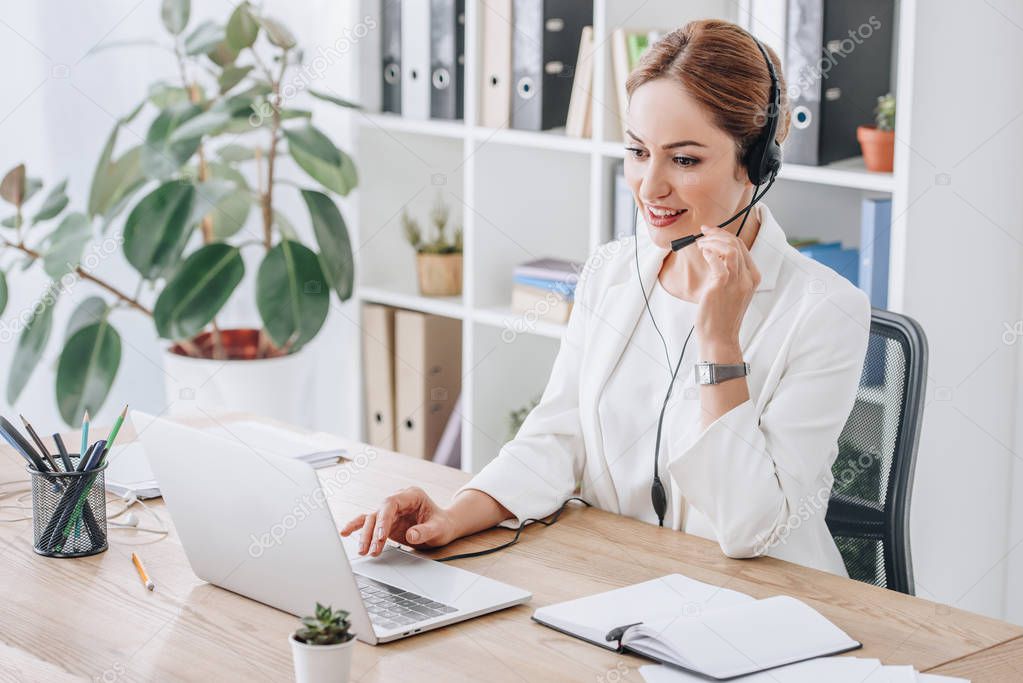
<point x="715" y="373"/>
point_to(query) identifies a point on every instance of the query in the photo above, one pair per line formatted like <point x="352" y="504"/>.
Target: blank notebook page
<point x="741" y="638"/>
<point x="673" y="597"/>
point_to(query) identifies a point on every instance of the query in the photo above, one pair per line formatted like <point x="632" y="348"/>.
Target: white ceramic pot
<point x="272" y="387"/>
<point x="322" y="663"/>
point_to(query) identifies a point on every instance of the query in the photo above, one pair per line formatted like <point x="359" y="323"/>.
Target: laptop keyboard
<point x="393" y="607"/>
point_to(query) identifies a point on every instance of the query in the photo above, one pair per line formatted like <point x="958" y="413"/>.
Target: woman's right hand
<point x="409" y="517"/>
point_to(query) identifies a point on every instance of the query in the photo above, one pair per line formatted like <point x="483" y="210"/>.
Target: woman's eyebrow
<point x="670" y="145"/>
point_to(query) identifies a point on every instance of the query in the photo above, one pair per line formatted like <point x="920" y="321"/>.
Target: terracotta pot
<point x="439" y="274"/>
<point x="878" y="148"/>
<point x="275" y="386"/>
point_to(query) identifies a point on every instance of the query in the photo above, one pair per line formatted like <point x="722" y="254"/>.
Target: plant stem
<point x="86" y="275"/>
<point x="272" y="154"/>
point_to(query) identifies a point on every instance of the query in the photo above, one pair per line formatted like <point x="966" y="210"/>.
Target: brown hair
<point x="720" y="65"/>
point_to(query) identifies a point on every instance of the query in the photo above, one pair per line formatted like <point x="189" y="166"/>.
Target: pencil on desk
<point x="142" y="572"/>
<point x="39" y="442"/>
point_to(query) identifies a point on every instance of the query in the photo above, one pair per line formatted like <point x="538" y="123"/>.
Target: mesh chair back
<point x="868" y="513"/>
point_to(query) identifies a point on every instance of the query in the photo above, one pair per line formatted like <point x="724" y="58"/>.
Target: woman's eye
<point x="636" y="152"/>
<point x="685" y="161"/>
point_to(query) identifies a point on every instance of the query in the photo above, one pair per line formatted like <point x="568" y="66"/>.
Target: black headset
<point x="763" y="161"/>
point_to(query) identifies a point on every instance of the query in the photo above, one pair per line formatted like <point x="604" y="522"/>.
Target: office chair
<point x="868" y="513"/>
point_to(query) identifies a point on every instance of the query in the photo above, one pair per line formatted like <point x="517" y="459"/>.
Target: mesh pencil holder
<point x="69" y="512"/>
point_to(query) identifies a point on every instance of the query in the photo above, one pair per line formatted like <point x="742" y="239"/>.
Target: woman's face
<point x="677" y="160"/>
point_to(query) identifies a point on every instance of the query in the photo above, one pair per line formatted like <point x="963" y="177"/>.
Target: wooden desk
<point x="92" y="619"/>
<point x="1002" y="663"/>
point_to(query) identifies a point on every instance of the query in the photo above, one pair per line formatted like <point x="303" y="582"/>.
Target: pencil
<point x="85" y="434"/>
<point x="113" y="434"/>
<point x="146" y="581"/>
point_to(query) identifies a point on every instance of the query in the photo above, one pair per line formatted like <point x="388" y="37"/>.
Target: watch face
<point x="705" y="374"/>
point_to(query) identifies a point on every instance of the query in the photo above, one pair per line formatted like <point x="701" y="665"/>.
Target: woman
<point x="745" y="461"/>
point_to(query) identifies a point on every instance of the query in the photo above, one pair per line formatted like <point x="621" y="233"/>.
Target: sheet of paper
<point x="670" y="597"/>
<point x="831" y="669"/>
<point x="935" y="678"/>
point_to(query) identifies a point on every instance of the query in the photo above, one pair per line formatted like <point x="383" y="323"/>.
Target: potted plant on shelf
<point x="322" y="648"/>
<point x="878" y="141"/>
<point x="438" y="263"/>
<point x="210" y="158"/>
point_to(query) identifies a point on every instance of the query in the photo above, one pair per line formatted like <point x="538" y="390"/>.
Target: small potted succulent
<point x="878" y="141"/>
<point x="322" y="648"/>
<point x="438" y="263"/>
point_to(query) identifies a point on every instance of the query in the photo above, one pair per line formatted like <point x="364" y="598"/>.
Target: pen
<point x="142" y="572"/>
<point x="18" y="442"/>
<point x="39" y="442"/>
<point x="62" y="449"/>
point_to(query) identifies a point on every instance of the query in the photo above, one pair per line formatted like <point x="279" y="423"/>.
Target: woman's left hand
<point x="729" y="289"/>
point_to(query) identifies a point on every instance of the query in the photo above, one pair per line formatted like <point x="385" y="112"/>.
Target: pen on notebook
<point x="39" y="443"/>
<point x="64" y="456"/>
<point x="146" y="581"/>
<point x="85" y="433"/>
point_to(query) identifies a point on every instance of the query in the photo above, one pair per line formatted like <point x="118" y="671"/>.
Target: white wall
<point x="959" y="236"/>
<point x="57" y="108"/>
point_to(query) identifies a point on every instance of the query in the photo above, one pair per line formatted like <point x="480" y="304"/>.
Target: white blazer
<point x="756" y="480"/>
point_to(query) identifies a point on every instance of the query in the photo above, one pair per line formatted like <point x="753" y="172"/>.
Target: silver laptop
<point x="259" y="525"/>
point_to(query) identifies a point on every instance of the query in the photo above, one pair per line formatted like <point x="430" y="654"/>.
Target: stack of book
<point x="545" y="288"/>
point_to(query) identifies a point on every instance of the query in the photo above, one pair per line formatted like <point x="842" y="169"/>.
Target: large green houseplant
<point x="187" y="204"/>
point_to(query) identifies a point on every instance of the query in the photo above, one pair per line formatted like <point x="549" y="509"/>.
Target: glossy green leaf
<point x="12" y="187"/>
<point x="279" y="34"/>
<point x="86" y="370"/>
<point x="11" y="222"/>
<point x="335" y="245"/>
<point x="31" y="345"/>
<point x="316" y="155"/>
<point x="232" y="210"/>
<point x="162" y="158"/>
<point x="292" y="294"/>
<point x="334" y="99"/>
<point x="62" y="249"/>
<point x="206" y="123"/>
<point x="242" y="27"/>
<point x="86" y="313"/>
<point x="163" y="95"/>
<point x="204" y="38"/>
<point x="174" y="14"/>
<point x="3" y="292"/>
<point x="32" y="185"/>
<point x="234" y="153"/>
<point x="53" y="204"/>
<point x="222" y="54"/>
<point x="232" y="76"/>
<point x="110" y="179"/>
<point x="198" y="290"/>
<point x="157" y="229"/>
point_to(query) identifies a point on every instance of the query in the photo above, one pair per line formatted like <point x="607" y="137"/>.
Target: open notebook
<point x="714" y="631"/>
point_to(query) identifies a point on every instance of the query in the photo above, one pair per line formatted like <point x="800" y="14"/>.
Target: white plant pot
<point x="322" y="663"/>
<point x="271" y="387"/>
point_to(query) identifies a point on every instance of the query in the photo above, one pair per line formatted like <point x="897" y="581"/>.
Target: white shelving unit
<point x="522" y="195"/>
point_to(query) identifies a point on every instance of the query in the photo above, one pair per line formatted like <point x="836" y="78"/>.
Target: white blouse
<point x="633" y="397"/>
